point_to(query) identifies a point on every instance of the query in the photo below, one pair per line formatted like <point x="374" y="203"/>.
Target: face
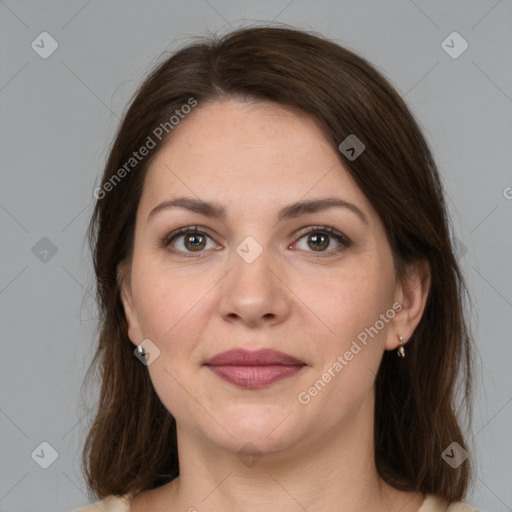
<point x="317" y="283"/>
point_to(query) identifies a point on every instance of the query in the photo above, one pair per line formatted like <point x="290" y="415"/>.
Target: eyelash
<point x="344" y="241"/>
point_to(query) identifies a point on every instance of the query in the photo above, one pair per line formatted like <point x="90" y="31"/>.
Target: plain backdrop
<point x="59" y="114"/>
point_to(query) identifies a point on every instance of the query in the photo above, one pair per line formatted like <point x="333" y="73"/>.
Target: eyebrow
<point x="292" y="211"/>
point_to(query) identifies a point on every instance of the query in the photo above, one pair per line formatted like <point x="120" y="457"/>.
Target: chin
<point x="268" y="431"/>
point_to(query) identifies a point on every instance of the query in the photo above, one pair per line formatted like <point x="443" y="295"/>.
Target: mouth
<point x="254" y="369"/>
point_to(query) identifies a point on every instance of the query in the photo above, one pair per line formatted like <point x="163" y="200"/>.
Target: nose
<point x="254" y="293"/>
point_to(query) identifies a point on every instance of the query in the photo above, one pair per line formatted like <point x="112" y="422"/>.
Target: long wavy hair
<point x="131" y="444"/>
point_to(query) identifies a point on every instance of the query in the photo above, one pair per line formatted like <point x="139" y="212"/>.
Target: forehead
<point x="255" y="153"/>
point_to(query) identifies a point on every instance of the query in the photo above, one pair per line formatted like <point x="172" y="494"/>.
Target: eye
<point x="191" y="239"/>
<point x="187" y="240"/>
<point x="320" y="238"/>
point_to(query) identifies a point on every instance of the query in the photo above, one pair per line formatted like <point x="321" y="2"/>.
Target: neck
<point x="333" y="472"/>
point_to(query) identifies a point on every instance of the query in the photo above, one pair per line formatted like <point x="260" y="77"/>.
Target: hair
<point x="131" y="444"/>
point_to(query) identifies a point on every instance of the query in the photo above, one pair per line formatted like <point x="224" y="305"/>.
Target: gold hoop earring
<point x="401" y="349"/>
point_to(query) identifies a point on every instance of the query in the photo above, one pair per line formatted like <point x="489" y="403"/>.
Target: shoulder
<point x="108" y="504"/>
<point x="436" y="504"/>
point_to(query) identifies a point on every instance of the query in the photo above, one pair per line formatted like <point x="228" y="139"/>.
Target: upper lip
<point x="261" y="357"/>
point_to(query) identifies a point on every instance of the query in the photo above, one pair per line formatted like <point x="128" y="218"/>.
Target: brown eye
<point x="188" y="240"/>
<point x="325" y="241"/>
<point x="318" y="242"/>
<point x="194" y="241"/>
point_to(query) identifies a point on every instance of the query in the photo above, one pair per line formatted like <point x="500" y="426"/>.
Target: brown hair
<point x="131" y="445"/>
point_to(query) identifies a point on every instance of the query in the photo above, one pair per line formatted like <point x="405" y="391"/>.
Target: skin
<point x="254" y="159"/>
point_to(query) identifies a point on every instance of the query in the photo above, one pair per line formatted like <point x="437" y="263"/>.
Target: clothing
<point x="122" y="504"/>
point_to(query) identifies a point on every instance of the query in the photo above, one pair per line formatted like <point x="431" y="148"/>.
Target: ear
<point x="125" y="288"/>
<point x="411" y="294"/>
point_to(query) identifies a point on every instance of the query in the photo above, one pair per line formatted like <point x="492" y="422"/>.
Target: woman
<point x="282" y="320"/>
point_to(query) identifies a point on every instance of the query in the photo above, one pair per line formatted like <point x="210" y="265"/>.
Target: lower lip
<point x="253" y="377"/>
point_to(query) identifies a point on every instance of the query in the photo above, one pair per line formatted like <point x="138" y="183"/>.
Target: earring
<point x="401" y="349"/>
<point x="141" y="351"/>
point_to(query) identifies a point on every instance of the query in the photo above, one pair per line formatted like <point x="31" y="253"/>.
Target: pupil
<point x="195" y="242"/>
<point x="319" y="238"/>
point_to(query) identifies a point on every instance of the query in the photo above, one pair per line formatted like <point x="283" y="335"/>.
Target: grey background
<point x="58" y="116"/>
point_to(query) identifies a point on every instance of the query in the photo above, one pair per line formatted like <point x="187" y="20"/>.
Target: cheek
<point x="350" y="304"/>
<point x="348" y="358"/>
<point x="173" y="314"/>
<point x="172" y="310"/>
<point x="349" y="301"/>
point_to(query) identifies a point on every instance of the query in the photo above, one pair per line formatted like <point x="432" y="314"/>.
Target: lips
<point x="254" y="369"/>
